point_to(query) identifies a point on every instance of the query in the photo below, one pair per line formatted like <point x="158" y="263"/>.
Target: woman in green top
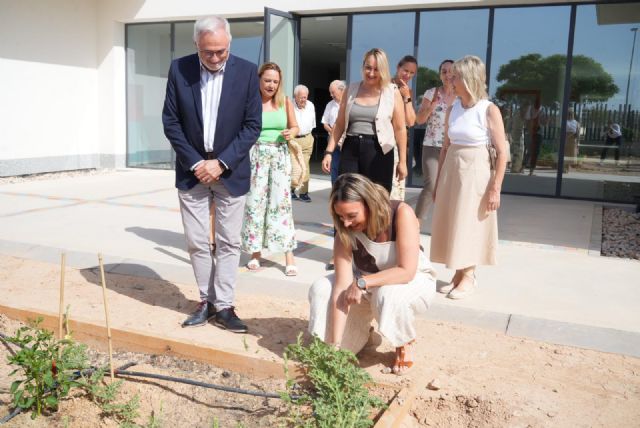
<point x="268" y="218"/>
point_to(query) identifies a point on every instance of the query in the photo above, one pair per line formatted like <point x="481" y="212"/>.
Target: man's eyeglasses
<point x="210" y="54"/>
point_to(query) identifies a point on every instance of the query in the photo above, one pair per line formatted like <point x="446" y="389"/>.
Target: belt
<point x="362" y="136"/>
<point x="210" y="155"/>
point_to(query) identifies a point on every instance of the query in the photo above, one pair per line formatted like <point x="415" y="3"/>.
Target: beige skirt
<point x="463" y="232"/>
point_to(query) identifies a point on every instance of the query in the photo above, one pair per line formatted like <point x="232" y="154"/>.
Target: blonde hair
<point x="382" y="63"/>
<point x="471" y="71"/>
<point x="279" y="96"/>
<point x="350" y="187"/>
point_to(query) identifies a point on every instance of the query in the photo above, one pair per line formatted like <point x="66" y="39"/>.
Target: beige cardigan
<point x="383" y="125"/>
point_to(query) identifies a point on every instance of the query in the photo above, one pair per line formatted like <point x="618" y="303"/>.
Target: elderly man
<point x="306" y="117"/>
<point x="212" y="116"/>
<point x="336" y="88"/>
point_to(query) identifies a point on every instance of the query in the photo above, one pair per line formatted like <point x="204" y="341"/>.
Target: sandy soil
<point x="486" y="379"/>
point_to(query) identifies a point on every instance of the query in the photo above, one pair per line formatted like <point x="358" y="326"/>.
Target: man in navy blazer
<point x="212" y="117"/>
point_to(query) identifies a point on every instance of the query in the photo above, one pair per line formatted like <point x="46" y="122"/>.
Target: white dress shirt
<point x="305" y="117"/>
<point x="330" y="113"/>
<point x="210" y="89"/>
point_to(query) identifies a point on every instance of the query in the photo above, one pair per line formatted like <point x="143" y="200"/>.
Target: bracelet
<point x="327" y="152"/>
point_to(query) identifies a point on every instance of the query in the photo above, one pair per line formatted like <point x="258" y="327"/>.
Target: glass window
<point x="282" y="49"/>
<point x="148" y="58"/>
<point x="449" y="34"/>
<point x="366" y="34"/>
<point x="527" y="82"/>
<point x="183" y="39"/>
<point x="247" y="41"/>
<point x="603" y="154"/>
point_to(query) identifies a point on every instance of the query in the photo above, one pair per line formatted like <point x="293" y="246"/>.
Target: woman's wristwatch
<point x="327" y="152"/>
<point x="361" y="283"/>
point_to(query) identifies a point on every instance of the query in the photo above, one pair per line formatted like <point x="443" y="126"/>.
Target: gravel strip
<point x="620" y="233"/>
<point x="54" y="175"/>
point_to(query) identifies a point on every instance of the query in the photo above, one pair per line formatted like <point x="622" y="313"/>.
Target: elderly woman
<point x="433" y="109"/>
<point x="268" y="219"/>
<point x="381" y="272"/>
<point x="372" y="113"/>
<point x="467" y="191"/>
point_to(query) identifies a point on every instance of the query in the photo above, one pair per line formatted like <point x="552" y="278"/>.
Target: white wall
<point x="151" y="10"/>
<point x="48" y="82"/>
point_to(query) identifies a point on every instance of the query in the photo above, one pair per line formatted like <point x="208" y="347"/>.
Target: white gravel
<point x="54" y="175"/>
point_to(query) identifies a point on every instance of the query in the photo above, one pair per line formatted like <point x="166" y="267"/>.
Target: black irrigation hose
<point x="15" y="412"/>
<point x="7" y="345"/>
<point x="202" y="384"/>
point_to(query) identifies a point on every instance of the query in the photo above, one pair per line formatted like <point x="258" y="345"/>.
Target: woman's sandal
<point x="457" y="294"/>
<point x="401" y="366"/>
<point x="254" y="264"/>
<point x="291" y="270"/>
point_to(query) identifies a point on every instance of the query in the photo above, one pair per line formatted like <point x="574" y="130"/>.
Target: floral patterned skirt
<point x="268" y="217"/>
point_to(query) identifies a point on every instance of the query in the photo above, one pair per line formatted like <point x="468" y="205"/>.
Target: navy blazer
<point x="237" y="128"/>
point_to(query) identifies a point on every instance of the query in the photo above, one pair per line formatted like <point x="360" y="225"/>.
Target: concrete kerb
<point x="595" y="242"/>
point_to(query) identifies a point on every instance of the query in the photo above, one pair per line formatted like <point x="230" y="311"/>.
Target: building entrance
<point x="323" y="58"/>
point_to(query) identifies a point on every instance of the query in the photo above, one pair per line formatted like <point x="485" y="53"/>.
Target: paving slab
<point x="582" y="336"/>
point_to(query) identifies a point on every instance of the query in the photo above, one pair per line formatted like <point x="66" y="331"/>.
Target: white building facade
<point x="82" y="81"/>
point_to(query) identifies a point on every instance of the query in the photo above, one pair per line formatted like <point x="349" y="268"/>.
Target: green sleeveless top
<point x="273" y="123"/>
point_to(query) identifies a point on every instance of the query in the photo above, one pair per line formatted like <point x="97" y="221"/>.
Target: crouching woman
<point x="380" y="272"/>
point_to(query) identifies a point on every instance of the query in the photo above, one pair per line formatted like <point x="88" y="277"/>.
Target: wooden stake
<point x="106" y="314"/>
<point x="60" y="308"/>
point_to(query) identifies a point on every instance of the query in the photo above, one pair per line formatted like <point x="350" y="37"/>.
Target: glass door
<point x="281" y="44"/>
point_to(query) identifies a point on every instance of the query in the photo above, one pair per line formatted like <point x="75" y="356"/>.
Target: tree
<point x="426" y="78"/>
<point x="589" y="80"/>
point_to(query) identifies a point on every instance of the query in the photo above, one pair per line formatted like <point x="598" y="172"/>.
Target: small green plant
<point x="155" y="420"/>
<point x="336" y="396"/>
<point x="47" y="368"/>
<point x="105" y="396"/>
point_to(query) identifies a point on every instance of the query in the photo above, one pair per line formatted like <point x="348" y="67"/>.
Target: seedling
<point x="336" y="394"/>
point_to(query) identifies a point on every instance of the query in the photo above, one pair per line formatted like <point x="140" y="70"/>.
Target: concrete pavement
<point x="550" y="284"/>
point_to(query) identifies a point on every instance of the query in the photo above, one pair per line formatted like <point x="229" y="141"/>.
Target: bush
<point x="336" y="392"/>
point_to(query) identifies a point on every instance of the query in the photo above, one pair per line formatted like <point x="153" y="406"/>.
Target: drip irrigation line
<point x="7" y="345"/>
<point x="15" y="412"/>
<point x="202" y="384"/>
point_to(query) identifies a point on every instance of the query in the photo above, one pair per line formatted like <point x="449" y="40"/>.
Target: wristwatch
<point x="407" y="101"/>
<point x="361" y="283"/>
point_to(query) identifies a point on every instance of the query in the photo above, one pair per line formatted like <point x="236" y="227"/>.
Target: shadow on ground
<point x="146" y="286"/>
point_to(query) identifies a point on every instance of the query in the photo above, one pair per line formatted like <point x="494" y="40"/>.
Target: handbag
<point x="493" y="155"/>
